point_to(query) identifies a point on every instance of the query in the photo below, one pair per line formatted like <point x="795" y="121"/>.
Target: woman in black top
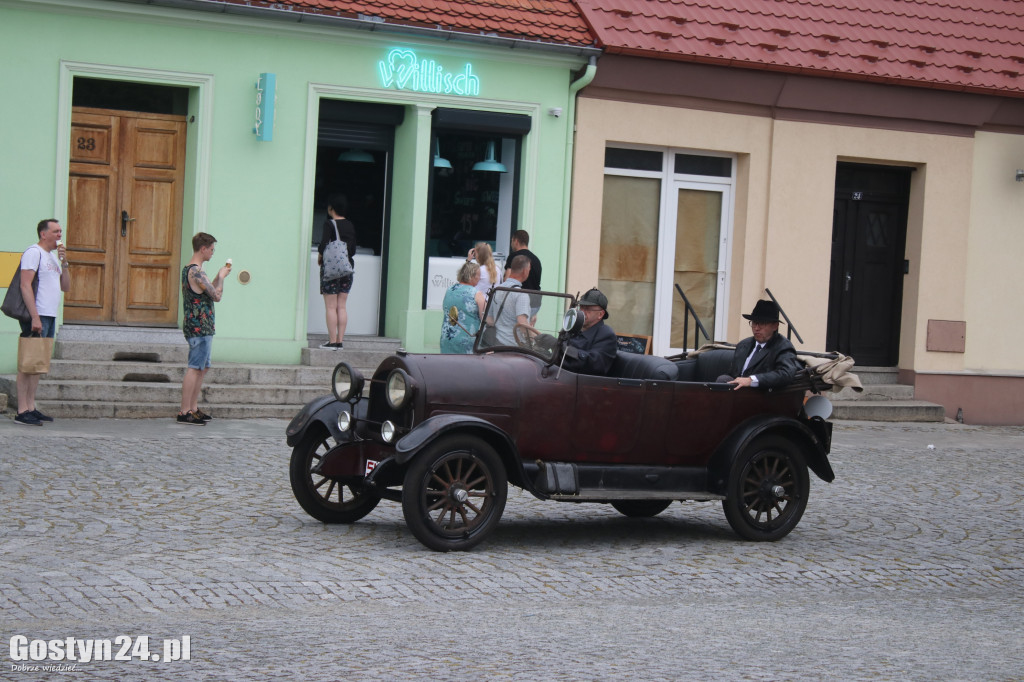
<point x="335" y="291"/>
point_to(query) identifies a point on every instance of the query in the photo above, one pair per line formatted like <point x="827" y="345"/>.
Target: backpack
<point x="336" y="262"/>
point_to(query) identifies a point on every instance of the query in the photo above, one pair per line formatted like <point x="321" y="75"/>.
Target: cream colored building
<point x="886" y="220"/>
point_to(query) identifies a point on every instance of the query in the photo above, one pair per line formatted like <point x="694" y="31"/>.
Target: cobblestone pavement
<point x="907" y="567"/>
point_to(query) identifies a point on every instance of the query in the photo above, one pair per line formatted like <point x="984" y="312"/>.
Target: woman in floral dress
<point x="463" y="296"/>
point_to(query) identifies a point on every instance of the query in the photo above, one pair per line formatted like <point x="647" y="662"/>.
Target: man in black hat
<point x="767" y="359"/>
<point x="594" y="349"/>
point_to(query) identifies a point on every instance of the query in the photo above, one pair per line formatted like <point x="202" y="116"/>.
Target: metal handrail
<point x="686" y="321"/>
<point x="790" y="329"/>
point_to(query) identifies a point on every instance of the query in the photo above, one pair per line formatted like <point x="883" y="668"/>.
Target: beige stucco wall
<point x="783" y="210"/>
<point x="800" y="223"/>
<point x="994" y="292"/>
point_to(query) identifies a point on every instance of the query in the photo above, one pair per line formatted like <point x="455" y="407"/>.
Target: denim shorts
<point x="199" y="350"/>
<point x="49" y="326"/>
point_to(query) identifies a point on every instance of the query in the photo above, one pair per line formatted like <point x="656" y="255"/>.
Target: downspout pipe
<point x="570" y="137"/>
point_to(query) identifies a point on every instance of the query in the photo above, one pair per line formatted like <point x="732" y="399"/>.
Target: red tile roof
<point x="548" y="21"/>
<point x="967" y="45"/>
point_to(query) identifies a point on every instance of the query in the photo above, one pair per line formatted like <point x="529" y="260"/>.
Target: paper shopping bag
<point x="34" y="354"/>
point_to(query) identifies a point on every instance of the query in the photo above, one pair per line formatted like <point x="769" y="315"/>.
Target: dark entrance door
<point x="869" y="230"/>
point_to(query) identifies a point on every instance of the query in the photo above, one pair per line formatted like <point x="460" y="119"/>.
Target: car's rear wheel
<point x="454" y="493"/>
<point x="641" y="508"/>
<point x="331" y="500"/>
<point x="768" y="489"/>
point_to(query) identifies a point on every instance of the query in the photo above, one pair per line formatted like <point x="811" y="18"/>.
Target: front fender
<point x="426" y="432"/>
<point x="433" y="428"/>
<point x="324" y="410"/>
<point x="814" y="449"/>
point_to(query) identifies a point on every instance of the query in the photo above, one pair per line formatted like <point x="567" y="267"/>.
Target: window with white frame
<point x="666" y="226"/>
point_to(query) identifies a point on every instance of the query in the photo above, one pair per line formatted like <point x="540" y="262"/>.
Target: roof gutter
<point x="368" y="23"/>
<point x="567" y="166"/>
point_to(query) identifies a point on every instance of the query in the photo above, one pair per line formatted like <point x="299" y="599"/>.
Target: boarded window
<point x="629" y="251"/>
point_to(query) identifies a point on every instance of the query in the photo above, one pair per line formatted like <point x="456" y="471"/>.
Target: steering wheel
<point x="524" y="334"/>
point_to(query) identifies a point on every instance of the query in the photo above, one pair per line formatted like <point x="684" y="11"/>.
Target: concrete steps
<point x="883" y="399"/>
<point x="130" y="373"/>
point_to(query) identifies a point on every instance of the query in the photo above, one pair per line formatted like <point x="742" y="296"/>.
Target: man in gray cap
<point x="767" y="359"/>
<point x="594" y="349"/>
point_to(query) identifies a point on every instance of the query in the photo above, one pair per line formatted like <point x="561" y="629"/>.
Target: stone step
<point x="141" y="345"/>
<point x="226" y="373"/>
<point x="143" y="392"/>
<point x="134" y="372"/>
<point x="111" y="351"/>
<point x="876" y="392"/>
<point x="870" y="376"/>
<point x="97" y="409"/>
<point x="888" y="410"/>
<point x="362" y="355"/>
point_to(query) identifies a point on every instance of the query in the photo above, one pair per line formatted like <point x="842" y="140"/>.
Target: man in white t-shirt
<point x="511" y="308"/>
<point x="49" y="258"/>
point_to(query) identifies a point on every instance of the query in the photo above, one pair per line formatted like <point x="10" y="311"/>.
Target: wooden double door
<point x="123" y="228"/>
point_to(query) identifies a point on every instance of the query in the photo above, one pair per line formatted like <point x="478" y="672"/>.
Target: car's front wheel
<point x="454" y="493"/>
<point x="768" y="489"/>
<point x="330" y="500"/>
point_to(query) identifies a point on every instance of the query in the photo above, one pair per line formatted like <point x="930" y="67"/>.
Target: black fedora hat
<point x="764" y="311"/>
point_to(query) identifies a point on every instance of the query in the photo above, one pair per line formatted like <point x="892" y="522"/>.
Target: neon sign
<point x="404" y="70"/>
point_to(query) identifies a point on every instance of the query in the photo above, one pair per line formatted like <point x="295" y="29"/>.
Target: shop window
<point x="467" y="205"/>
<point x="474" y="189"/>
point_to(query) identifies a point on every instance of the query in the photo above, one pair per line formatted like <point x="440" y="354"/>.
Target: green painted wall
<point x="255" y="197"/>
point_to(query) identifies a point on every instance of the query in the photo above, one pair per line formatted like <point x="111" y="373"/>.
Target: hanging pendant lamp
<point x="440" y="162"/>
<point x="489" y="164"/>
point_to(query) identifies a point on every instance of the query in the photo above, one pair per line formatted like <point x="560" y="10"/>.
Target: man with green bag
<point x="49" y="259"/>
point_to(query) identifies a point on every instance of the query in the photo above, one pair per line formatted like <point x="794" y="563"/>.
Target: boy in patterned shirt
<point x="198" y="295"/>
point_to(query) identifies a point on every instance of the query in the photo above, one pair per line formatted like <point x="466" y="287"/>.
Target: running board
<point x="602" y="482"/>
<point x="616" y="495"/>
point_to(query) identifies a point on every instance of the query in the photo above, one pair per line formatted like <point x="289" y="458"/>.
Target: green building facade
<point x="139" y="125"/>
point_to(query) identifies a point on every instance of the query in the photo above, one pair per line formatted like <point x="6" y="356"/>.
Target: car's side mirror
<point x="572" y="321"/>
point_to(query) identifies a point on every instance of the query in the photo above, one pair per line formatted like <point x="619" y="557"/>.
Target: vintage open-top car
<point x="445" y="435"/>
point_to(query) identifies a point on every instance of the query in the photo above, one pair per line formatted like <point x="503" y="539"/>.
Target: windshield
<point x="522" y="320"/>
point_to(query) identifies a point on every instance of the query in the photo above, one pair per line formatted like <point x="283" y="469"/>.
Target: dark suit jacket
<point x="774" y="366"/>
<point x="597" y="347"/>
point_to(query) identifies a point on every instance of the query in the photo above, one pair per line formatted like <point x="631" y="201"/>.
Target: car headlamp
<point x="399" y="389"/>
<point x="572" y="321"/>
<point x="344" y="421"/>
<point x="387" y="431"/>
<point x="346" y="382"/>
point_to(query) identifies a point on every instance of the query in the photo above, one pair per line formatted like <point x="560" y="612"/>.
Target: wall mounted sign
<point x="403" y="69"/>
<point x="266" y="94"/>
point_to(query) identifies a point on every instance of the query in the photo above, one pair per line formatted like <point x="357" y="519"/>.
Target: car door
<point x="607" y="418"/>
